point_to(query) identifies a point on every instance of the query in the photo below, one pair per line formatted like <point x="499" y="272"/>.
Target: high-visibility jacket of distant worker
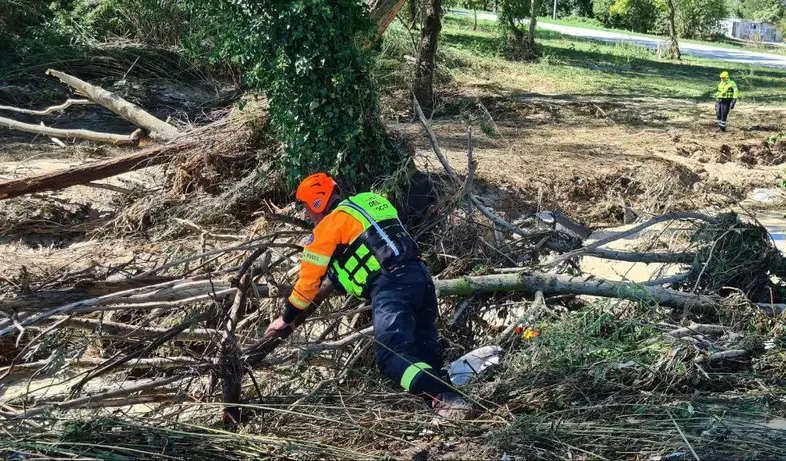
<point x="727" y="90"/>
<point x="359" y="238"/>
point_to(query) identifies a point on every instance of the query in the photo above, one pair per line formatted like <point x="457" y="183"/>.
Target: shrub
<point x="162" y="22"/>
<point x="313" y="59"/>
<point x="635" y="15"/>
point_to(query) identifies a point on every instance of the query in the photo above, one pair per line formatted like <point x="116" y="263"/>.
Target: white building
<point x="747" y="29"/>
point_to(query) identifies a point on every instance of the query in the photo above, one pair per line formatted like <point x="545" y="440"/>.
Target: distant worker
<point x="726" y="99"/>
<point x="362" y="247"/>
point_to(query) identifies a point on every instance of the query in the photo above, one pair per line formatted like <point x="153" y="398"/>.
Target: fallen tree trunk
<point x="47" y="299"/>
<point x="124" y="330"/>
<point x="382" y="12"/>
<point x="158" y="130"/>
<point x="646" y="258"/>
<point x="121" y="392"/>
<point x="159" y="363"/>
<point x="116" y="139"/>
<point x="587" y="285"/>
<point x="56" y="180"/>
<point x="517" y="282"/>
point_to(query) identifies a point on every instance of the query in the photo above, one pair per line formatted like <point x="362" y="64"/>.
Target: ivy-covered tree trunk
<point x="674" y="47"/>
<point x="425" y="65"/>
<point x="313" y="59"/>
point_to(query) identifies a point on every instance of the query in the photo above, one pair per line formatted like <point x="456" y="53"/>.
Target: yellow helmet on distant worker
<point x="724" y="74"/>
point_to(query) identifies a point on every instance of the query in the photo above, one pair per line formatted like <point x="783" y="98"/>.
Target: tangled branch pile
<point x="142" y="362"/>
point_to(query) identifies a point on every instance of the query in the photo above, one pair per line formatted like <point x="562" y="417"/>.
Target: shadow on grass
<point x="648" y="68"/>
<point x="629" y="61"/>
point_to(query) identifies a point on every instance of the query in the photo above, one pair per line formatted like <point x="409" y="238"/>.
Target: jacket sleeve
<point x="337" y="228"/>
<point x="734" y="87"/>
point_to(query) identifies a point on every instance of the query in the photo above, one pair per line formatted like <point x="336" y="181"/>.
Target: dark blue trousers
<point x="404" y="307"/>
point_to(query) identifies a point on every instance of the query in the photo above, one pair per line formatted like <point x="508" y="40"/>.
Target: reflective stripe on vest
<point x="376" y="226"/>
<point x="358" y="267"/>
<point x="725" y="90"/>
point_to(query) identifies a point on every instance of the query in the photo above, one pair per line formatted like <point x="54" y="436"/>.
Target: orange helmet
<point x="315" y="191"/>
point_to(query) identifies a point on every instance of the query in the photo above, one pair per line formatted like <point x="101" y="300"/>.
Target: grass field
<point x="720" y="41"/>
<point x="590" y="68"/>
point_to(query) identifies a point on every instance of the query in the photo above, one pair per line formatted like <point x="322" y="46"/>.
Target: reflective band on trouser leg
<point x="411" y="372"/>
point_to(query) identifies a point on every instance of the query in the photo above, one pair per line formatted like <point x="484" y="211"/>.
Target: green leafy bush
<point x="635" y="15"/>
<point x="162" y="22"/>
<point x="16" y="16"/>
<point x="314" y="61"/>
<point x="763" y="10"/>
<point x="694" y="18"/>
<point x="514" y="22"/>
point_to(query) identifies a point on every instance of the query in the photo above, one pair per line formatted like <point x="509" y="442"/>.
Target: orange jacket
<point x="335" y="229"/>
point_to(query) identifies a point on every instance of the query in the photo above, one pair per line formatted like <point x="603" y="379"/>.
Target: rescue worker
<point x="362" y="247"/>
<point x="726" y="99"/>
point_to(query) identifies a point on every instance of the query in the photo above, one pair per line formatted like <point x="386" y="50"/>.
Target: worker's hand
<point x="277" y="325"/>
<point x="733" y="103"/>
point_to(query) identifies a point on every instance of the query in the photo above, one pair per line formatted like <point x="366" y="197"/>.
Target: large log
<point x="40" y="300"/>
<point x="158" y="130"/>
<point x="383" y="12"/>
<point x="518" y="282"/>
<point x="60" y="179"/>
<point x="581" y="285"/>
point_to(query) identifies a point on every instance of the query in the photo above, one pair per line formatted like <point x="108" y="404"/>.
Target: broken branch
<point x="158" y="130"/>
<point x="61" y="179"/>
<point x="116" y="139"/>
<point x="49" y="110"/>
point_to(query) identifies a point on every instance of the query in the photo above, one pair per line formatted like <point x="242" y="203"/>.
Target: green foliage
<point x="699" y="18"/>
<point x="763" y="10"/>
<point x="635" y="15"/>
<point x="575" y="8"/>
<point x="694" y="18"/>
<point x="480" y="5"/>
<point x="771" y="140"/>
<point x="162" y="22"/>
<point x="16" y="16"/>
<point x="593" y="336"/>
<point x="514" y="21"/>
<point x="313" y="60"/>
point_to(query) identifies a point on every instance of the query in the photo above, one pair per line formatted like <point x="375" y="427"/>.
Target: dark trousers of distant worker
<point x="404" y="307"/>
<point x="722" y="108"/>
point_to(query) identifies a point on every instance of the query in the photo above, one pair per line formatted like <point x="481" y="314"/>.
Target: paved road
<point x="692" y="49"/>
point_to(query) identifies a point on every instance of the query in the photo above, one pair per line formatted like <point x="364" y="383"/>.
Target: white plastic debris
<point x="767" y="195"/>
<point x="473" y="364"/>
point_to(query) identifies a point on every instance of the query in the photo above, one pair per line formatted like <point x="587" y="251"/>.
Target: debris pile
<point x="144" y="358"/>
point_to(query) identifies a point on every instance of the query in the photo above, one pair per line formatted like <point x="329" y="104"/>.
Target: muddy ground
<point x="601" y="161"/>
